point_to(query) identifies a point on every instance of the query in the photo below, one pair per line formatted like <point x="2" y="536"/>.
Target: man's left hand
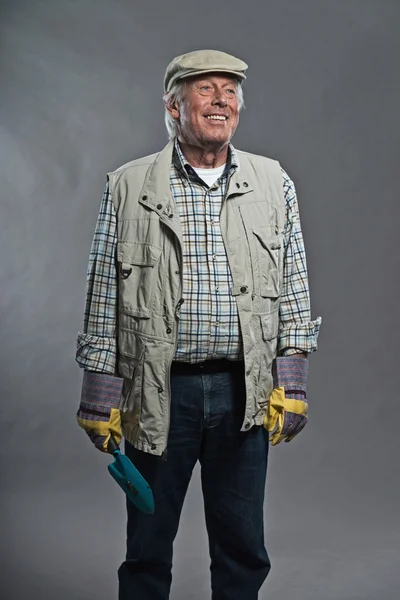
<point x="288" y="407"/>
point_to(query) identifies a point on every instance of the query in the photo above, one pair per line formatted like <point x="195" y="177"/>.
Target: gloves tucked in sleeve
<point x="98" y="412"/>
<point x="288" y="406"/>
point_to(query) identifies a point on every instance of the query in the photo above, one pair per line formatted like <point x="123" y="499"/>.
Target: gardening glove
<point x="287" y="408"/>
<point x="98" y="412"/>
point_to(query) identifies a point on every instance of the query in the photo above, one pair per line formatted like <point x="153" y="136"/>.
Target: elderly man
<point x="197" y="329"/>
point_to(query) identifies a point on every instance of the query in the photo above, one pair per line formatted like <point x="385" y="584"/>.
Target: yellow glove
<point x="98" y="412"/>
<point x="285" y="417"/>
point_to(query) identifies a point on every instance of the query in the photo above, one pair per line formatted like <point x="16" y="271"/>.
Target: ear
<point x="173" y="109"/>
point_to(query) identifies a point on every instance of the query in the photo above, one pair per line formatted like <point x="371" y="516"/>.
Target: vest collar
<point x="156" y="192"/>
<point x="156" y="188"/>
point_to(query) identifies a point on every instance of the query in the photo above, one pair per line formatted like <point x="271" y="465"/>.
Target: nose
<point x="219" y="99"/>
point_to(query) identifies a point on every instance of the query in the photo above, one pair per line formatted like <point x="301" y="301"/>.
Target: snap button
<point x="169" y="330"/>
<point x="159" y="206"/>
<point x="125" y="273"/>
<point x="244" y="289"/>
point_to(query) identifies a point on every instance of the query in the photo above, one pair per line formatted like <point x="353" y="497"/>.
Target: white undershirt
<point x="210" y="176"/>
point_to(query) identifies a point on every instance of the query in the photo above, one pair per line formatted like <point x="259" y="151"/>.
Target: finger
<point x="296" y="430"/>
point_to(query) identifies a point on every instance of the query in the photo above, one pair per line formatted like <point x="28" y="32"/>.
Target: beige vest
<point x="149" y="259"/>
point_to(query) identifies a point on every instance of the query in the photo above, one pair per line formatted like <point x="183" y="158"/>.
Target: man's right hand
<point x="98" y="412"/>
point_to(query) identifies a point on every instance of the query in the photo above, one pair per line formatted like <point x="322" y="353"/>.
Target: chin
<point x="215" y="139"/>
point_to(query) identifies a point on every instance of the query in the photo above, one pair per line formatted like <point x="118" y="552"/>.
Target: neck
<point x="204" y="158"/>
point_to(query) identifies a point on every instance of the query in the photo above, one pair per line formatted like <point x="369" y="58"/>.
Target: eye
<point x="230" y="92"/>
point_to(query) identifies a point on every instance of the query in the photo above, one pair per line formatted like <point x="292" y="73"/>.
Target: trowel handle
<point x="112" y="445"/>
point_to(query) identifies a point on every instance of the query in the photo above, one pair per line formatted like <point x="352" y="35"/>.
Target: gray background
<point x="81" y="86"/>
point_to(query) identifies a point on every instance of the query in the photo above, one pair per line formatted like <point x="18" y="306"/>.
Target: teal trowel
<point x="130" y="480"/>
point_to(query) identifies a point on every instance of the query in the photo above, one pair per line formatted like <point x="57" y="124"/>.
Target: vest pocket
<point x="270" y="262"/>
<point x="137" y="263"/>
<point x="269" y="326"/>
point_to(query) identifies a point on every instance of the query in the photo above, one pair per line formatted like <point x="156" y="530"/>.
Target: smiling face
<point x="208" y="114"/>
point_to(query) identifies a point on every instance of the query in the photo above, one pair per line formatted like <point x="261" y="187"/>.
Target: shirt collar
<point x="180" y="163"/>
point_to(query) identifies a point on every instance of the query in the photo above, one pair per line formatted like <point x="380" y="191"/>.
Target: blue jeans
<point x="207" y="411"/>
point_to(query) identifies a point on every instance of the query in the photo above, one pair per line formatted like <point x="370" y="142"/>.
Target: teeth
<point x="216" y="117"/>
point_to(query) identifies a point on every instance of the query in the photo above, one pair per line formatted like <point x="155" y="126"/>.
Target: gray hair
<point x="175" y="96"/>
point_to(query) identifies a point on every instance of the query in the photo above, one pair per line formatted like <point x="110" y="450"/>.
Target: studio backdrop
<point x="81" y="94"/>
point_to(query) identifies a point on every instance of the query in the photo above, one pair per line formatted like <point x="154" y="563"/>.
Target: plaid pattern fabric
<point x="297" y="331"/>
<point x="96" y="344"/>
<point x="209" y="323"/>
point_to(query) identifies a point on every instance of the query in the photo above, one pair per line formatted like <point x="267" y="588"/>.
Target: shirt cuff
<point x="96" y="353"/>
<point x="300" y="336"/>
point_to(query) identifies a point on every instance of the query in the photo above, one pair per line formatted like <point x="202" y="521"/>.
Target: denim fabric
<point x="207" y="412"/>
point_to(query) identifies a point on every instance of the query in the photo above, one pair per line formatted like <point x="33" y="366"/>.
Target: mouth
<point x="217" y="117"/>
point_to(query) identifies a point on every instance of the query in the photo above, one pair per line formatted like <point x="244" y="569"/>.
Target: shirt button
<point x="247" y="426"/>
<point x="214" y="257"/>
<point x="144" y="197"/>
<point x="216" y="324"/>
<point x="169" y="330"/>
<point x="176" y="272"/>
<point x="238" y="185"/>
<point x="244" y="289"/>
<point x="160" y="390"/>
<point x="159" y="206"/>
<point x="217" y="289"/>
<point x="245" y="184"/>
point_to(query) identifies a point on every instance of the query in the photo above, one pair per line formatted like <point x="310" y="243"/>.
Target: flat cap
<point x="202" y="61"/>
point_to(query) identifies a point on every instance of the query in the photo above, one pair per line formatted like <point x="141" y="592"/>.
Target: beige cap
<point x="202" y="61"/>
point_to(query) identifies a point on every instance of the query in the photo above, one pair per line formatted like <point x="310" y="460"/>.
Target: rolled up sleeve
<point x="297" y="331"/>
<point x="97" y="342"/>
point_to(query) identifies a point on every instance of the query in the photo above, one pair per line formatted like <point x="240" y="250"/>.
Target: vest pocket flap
<point x="270" y="261"/>
<point x="269" y="326"/>
<point x="138" y="253"/>
<point x="272" y="243"/>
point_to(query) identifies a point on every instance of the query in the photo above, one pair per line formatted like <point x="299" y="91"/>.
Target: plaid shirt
<point x="209" y="325"/>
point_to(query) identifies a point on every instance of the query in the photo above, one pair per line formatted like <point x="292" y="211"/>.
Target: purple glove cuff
<point x="100" y="393"/>
<point x="291" y="373"/>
